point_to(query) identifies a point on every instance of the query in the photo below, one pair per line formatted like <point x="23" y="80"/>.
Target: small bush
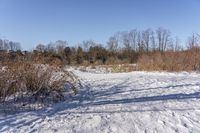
<point x="22" y="79"/>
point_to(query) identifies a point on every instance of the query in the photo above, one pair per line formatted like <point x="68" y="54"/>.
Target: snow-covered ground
<point x="135" y="102"/>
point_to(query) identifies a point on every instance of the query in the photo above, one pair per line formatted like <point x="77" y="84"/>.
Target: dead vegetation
<point x="24" y="83"/>
<point x="188" y="60"/>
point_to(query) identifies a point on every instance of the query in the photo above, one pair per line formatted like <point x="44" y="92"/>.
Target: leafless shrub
<point x="22" y="79"/>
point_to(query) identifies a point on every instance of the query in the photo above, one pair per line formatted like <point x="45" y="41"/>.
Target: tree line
<point x="9" y="45"/>
<point x="122" y="47"/>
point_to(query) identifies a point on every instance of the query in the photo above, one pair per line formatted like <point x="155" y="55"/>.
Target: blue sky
<point x="31" y="22"/>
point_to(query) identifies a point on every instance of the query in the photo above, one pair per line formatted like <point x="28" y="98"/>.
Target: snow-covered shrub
<point x="37" y="83"/>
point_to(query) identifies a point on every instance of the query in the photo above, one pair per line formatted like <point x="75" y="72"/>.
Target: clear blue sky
<point x="40" y="21"/>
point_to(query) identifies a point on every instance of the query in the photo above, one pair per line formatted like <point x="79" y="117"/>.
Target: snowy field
<point x="135" y="102"/>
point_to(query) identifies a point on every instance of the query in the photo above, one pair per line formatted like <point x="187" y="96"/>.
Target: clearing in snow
<point x="132" y="102"/>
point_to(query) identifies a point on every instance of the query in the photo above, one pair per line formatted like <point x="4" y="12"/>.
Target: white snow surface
<point x="135" y="102"/>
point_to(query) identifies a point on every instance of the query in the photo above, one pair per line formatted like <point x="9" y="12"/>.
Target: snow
<point x="136" y="102"/>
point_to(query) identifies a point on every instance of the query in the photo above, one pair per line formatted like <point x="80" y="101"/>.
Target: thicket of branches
<point x="9" y="45"/>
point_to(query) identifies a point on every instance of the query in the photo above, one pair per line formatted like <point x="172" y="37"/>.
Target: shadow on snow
<point x="88" y="98"/>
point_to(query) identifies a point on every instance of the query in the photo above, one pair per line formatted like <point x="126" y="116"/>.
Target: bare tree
<point x="133" y="39"/>
<point x="17" y="46"/>
<point x="153" y="41"/>
<point x="146" y="37"/>
<point x="60" y="46"/>
<point x="6" y="44"/>
<point x="177" y="46"/>
<point x="193" y="41"/>
<point x="113" y="43"/>
<point x="50" y="47"/>
<point x="139" y="42"/>
<point x="9" y="45"/>
<point x="40" y="47"/>
<point x="126" y="40"/>
<point x="163" y="37"/>
<point x="87" y="44"/>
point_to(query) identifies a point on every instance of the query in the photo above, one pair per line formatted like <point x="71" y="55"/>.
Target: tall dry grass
<point x="188" y="60"/>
